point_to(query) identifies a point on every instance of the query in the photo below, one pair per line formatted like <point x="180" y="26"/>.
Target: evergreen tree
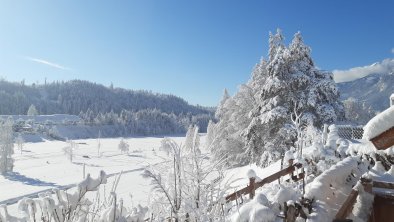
<point x="210" y="134"/>
<point x="32" y="111"/>
<point x="228" y="140"/>
<point x="292" y="83"/>
<point x="221" y="107"/>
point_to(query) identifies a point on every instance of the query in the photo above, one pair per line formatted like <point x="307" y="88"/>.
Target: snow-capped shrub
<point x="69" y="149"/>
<point x="123" y="146"/>
<point x="289" y="155"/>
<point x="257" y="210"/>
<point x="59" y="206"/>
<point x="284" y="194"/>
<point x="332" y="136"/>
<point x="181" y="186"/>
<point x="342" y="148"/>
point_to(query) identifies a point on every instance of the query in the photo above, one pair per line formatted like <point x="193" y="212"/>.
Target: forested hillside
<point x="98" y="104"/>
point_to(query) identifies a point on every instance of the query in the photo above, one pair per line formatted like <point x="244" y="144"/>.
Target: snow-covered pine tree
<point x="228" y="139"/>
<point x="32" y="111"/>
<point x="221" y="107"/>
<point x="292" y="82"/>
<point x="210" y="134"/>
<point x="6" y="146"/>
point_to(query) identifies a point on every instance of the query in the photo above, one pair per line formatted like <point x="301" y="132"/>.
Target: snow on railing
<point x="349" y="205"/>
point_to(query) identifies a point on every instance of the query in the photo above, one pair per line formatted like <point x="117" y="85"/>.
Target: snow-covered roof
<point x="380" y="123"/>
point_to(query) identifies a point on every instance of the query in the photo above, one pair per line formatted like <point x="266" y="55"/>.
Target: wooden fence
<point x="348" y="205"/>
<point x="253" y="185"/>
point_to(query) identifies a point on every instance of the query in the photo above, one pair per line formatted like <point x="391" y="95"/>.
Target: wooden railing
<point x="253" y="185"/>
<point x="348" y="205"/>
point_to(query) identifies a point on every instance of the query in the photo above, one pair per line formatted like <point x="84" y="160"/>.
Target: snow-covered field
<point x="43" y="166"/>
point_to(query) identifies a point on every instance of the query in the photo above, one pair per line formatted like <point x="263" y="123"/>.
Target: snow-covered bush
<point x="69" y="149"/>
<point x="75" y="206"/>
<point x="332" y="137"/>
<point x="123" y="146"/>
<point x="192" y="139"/>
<point x="54" y="132"/>
<point x="6" y="146"/>
<point x="19" y="142"/>
<point x="181" y="185"/>
<point x="59" y="206"/>
<point x="257" y="210"/>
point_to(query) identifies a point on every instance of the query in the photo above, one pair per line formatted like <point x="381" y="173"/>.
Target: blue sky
<point x="192" y="49"/>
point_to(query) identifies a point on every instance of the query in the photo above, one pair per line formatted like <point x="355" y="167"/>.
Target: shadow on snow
<point x="15" y="176"/>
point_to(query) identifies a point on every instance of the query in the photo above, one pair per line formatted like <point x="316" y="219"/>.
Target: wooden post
<point x="269" y="179"/>
<point x="291" y="213"/>
<point x="303" y="181"/>
<point x="252" y="187"/>
<point x="285" y="209"/>
<point x="367" y="184"/>
<point x="187" y="217"/>
<point x="291" y="161"/>
<point x="281" y="165"/>
<point x="347" y="206"/>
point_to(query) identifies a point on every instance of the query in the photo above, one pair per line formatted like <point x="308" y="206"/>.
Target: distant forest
<point x="98" y="104"/>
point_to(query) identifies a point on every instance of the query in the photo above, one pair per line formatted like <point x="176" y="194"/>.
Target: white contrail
<point x="45" y="62"/>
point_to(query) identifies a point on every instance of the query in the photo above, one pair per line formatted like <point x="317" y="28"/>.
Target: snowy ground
<point x="43" y="166"/>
